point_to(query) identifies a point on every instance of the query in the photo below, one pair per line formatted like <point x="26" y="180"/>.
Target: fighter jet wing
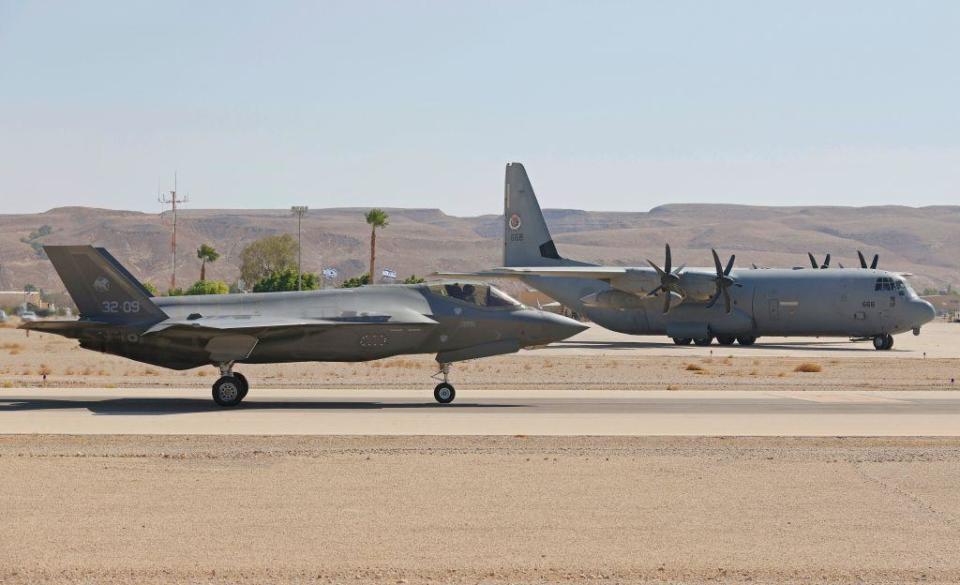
<point x="591" y="272"/>
<point x="257" y="323"/>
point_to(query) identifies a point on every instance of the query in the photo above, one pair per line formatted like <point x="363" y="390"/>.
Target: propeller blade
<point x="863" y="261"/>
<point x="840" y="264"/>
<point x="826" y="263"/>
<point x="654" y="292"/>
<point x="660" y="272"/>
<point x="726" y="299"/>
<point x="813" y="261"/>
<point x="666" y="302"/>
<point x="876" y="259"/>
<point x="680" y="269"/>
<point x="726" y="271"/>
<point x="668" y="263"/>
<point x="716" y="262"/>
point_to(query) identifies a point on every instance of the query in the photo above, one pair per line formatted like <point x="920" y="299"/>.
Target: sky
<point x="610" y="105"/>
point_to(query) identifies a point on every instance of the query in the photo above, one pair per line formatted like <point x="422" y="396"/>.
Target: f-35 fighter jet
<point x="454" y="320"/>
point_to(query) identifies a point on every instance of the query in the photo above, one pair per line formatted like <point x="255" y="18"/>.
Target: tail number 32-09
<point x="121" y="307"/>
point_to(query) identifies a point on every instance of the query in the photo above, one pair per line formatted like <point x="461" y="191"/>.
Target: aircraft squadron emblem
<point x="515" y="222"/>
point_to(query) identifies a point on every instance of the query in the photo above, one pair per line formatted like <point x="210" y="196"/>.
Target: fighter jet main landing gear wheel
<point x="228" y="391"/>
<point x="444" y="393"/>
<point x="883" y="342"/>
<point x="245" y="385"/>
<point x="703" y="341"/>
<point x="746" y="340"/>
<point x="682" y="340"/>
<point x="726" y="339"/>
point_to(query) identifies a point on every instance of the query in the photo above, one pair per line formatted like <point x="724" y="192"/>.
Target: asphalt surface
<point x="479" y="412"/>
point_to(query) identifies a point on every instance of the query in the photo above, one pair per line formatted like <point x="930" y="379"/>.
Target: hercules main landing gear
<point x="883" y="342"/>
<point x="444" y="393"/>
<point x="231" y="388"/>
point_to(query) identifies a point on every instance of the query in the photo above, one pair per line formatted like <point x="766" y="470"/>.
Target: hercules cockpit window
<point x="475" y="294"/>
<point x="886" y="283"/>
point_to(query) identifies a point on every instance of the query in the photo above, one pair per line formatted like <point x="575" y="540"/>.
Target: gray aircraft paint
<point x="765" y="302"/>
<point x="118" y="316"/>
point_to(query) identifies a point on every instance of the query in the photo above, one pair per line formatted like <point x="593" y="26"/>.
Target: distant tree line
<point x="270" y="265"/>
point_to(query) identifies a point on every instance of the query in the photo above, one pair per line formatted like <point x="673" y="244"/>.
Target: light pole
<point x="299" y="210"/>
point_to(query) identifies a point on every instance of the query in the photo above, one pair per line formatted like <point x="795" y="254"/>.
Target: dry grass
<point x="44" y="370"/>
<point x="808" y="367"/>
<point x="694" y="368"/>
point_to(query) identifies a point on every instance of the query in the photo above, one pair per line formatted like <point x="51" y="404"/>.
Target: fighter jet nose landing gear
<point x="231" y="388"/>
<point x="444" y="393"/>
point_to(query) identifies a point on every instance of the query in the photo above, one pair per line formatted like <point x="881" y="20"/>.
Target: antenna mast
<point x="172" y="199"/>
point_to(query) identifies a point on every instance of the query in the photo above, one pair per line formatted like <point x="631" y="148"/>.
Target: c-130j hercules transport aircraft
<point x="456" y="321"/>
<point x="700" y="304"/>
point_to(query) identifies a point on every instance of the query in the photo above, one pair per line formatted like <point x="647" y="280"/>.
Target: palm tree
<point x="206" y="253"/>
<point x="376" y="218"/>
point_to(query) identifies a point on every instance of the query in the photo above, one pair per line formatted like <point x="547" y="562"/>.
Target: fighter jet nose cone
<point x="558" y="327"/>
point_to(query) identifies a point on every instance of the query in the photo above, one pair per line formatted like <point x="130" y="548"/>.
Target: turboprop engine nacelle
<point x="697" y="286"/>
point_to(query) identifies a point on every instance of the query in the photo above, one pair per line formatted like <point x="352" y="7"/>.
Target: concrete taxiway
<point x="483" y="412"/>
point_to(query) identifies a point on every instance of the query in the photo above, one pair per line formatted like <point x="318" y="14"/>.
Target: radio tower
<point x="172" y="199"/>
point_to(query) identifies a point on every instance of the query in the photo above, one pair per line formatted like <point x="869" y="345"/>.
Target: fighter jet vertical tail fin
<point x="101" y="287"/>
<point x="526" y="239"/>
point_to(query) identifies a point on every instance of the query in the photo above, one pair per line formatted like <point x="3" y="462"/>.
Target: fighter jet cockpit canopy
<point x="482" y="295"/>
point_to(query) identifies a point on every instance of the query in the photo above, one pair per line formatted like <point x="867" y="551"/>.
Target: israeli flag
<point x="330" y="272"/>
<point x="387" y="273"/>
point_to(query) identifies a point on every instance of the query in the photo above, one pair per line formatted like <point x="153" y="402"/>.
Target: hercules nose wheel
<point x="227" y="391"/>
<point x="726" y="339"/>
<point x="883" y="342"/>
<point x="444" y="393"/>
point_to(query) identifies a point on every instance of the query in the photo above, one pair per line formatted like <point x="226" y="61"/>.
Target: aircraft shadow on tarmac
<point x="157" y="406"/>
<point x="832" y="346"/>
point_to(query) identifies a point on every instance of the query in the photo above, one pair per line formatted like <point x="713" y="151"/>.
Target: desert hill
<point x="924" y="241"/>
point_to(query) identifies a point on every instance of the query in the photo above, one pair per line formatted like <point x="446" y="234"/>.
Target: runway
<point x="482" y="412"/>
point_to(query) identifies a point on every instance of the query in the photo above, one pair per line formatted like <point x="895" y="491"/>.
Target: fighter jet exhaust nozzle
<point x="669" y="279"/>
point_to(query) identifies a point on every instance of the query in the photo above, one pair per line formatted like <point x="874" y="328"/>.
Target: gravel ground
<point x="150" y="509"/>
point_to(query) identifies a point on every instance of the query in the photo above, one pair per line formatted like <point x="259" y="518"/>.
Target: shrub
<point x="356" y="281"/>
<point x="286" y="280"/>
<point x="208" y="287"/>
<point x="808" y="367"/>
